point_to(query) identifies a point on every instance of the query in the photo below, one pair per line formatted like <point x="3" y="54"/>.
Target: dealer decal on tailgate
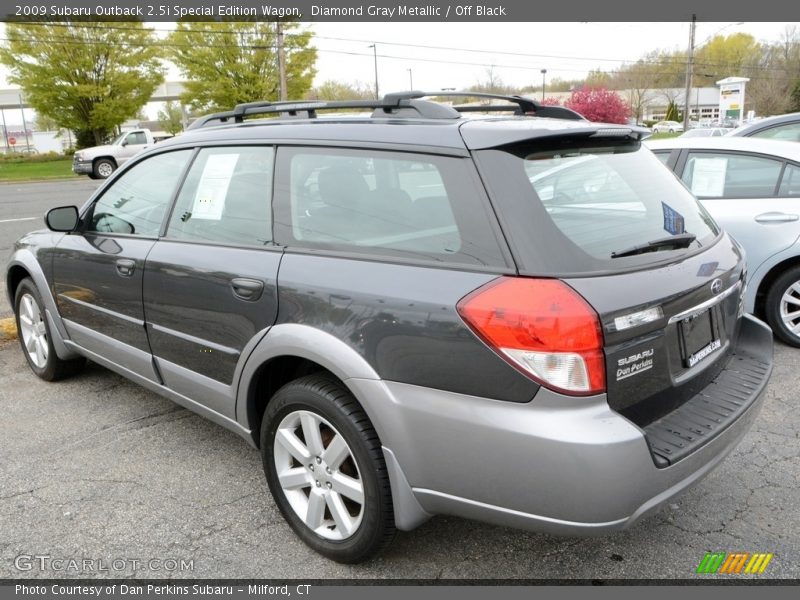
<point x="634" y="364"/>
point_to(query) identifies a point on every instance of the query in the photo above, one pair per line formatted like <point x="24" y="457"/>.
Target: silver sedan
<point x="752" y="189"/>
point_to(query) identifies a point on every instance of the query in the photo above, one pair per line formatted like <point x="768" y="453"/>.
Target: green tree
<point x="171" y="118"/>
<point x="337" y="90"/>
<point x="228" y="63"/>
<point x="734" y="55"/>
<point x="795" y="98"/>
<point x="45" y="123"/>
<point x="673" y="114"/>
<point x="84" y="76"/>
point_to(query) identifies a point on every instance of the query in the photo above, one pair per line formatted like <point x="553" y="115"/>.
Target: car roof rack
<point x="399" y="104"/>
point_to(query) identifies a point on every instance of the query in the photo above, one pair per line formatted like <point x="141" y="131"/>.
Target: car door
<point x="744" y="193"/>
<point x="97" y="270"/>
<point x="134" y="142"/>
<point x="210" y="283"/>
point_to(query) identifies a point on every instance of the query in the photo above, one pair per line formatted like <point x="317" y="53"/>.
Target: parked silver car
<point x="701" y="132"/>
<point x="752" y="188"/>
<point x="782" y="127"/>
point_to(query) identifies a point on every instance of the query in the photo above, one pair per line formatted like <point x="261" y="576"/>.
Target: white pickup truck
<point x="99" y="162"/>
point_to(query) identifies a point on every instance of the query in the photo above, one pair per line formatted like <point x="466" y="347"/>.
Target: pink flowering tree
<point x="599" y="105"/>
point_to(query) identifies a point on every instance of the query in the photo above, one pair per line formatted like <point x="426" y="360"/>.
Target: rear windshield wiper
<point x="672" y="242"/>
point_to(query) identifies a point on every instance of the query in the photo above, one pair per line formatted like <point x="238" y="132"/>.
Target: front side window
<point x="226" y="197"/>
<point x="137" y="138"/>
<point x="137" y="201"/>
<point x="388" y="203"/>
<point x="727" y="175"/>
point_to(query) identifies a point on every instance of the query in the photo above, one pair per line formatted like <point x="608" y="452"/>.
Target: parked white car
<point x="667" y="126"/>
<point x="752" y="189"/>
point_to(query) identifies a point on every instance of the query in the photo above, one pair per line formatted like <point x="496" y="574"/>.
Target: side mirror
<point x="63" y="218"/>
<point x="125" y="142"/>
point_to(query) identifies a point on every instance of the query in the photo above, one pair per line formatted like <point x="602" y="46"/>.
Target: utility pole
<point x="5" y="130"/>
<point x="375" y="56"/>
<point x="410" y="80"/>
<point x="687" y="105"/>
<point x="281" y="62"/>
<point x="544" y="75"/>
<point x="24" y="123"/>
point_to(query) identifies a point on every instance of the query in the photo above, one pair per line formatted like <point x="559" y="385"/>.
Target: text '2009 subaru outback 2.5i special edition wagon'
<point x="523" y="318"/>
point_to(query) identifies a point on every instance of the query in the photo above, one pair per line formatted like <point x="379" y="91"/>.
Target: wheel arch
<point x="105" y="157"/>
<point x="15" y="274"/>
<point x="24" y="264"/>
<point x="769" y="278"/>
<point x="290" y="351"/>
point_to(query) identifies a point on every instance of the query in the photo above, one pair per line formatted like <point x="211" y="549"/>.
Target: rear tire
<point x="325" y="468"/>
<point x="35" y="338"/>
<point x="783" y="307"/>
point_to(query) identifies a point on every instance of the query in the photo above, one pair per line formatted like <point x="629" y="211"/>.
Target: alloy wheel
<point x="790" y="308"/>
<point x="319" y="475"/>
<point x="104" y="169"/>
<point x="33" y="330"/>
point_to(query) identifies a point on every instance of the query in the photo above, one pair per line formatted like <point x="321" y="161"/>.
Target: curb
<point x="8" y="329"/>
<point x="40" y="180"/>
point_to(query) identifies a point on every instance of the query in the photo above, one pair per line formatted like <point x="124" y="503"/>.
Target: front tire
<point x="103" y="168"/>
<point x="783" y="307"/>
<point x="35" y="337"/>
<point x="325" y="468"/>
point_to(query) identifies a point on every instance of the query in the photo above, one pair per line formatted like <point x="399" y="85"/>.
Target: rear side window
<point x="789" y="132"/>
<point x="576" y="208"/>
<point x="726" y="175"/>
<point x="386" y="203"/>
<point x="790" y="184"/>
<point x="663" y="156"/>
<point x="226" y="198"/>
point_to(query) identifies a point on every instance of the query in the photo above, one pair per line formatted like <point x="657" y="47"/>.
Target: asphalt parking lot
<point x="98" y="468"/>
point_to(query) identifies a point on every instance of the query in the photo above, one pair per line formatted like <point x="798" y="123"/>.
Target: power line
<point x="682" y="59"/>
<point x="118" y="44"/>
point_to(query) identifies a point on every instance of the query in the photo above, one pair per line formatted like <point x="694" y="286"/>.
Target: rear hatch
<point x="596" y="210"/>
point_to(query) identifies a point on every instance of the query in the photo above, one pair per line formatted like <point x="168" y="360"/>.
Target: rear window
<point x="586" y="208"/>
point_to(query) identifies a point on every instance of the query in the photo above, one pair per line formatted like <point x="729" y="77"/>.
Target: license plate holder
<point x="699" y="337"/>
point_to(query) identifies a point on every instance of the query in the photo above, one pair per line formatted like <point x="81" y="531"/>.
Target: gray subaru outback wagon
<point x="519" y="317"/>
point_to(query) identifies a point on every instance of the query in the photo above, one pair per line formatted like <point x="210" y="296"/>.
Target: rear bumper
<point x="557" y="464"/>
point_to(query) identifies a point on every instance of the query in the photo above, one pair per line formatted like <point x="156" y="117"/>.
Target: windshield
<point x="118" y="139"/>
<point x="598" y="207"/>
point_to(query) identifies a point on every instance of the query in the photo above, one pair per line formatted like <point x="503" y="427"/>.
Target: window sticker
<point x="209" y="201"/>
<point x="708" y="176"/>
<point x="674" y="222"/>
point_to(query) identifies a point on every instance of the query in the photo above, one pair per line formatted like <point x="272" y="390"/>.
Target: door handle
<point x="247" y="289"/>
<point x="776" y="217"/>
<point x="126" y="267"/>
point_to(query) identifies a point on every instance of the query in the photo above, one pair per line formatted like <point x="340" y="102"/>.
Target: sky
<point x="518" y="51"/>
<point x="434" y="56"/>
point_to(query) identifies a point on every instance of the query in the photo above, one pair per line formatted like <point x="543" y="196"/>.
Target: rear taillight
<point x="544" y="328"/>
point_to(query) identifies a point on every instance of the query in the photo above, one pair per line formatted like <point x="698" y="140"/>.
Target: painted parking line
<point x="8" y="329"/>
<point x="15" y="220"/>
